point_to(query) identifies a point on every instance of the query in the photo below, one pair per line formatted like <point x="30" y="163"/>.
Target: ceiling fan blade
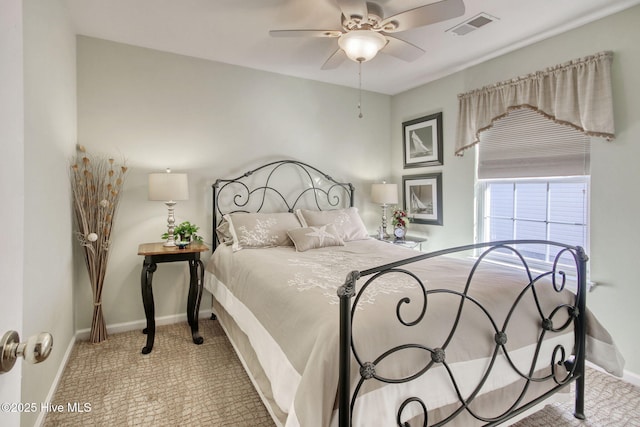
<point x="305" y="33"/>
<point x="335" y="60"/>
<point x="350" y="8"/>
<point x="424" y="15"/>
<point x="402" y="49"/>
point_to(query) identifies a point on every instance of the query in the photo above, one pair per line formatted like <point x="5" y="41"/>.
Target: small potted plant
<point x="185" y="232"/>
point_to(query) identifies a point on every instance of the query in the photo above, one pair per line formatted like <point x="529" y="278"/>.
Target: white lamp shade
<point x="384" y="194"/>
<point x="168" y="186"/>
<point x="362" y="45"/>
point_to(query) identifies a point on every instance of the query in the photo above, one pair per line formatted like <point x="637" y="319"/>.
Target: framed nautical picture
<point x="423" y="198"/>
<point x="422" y="141"/>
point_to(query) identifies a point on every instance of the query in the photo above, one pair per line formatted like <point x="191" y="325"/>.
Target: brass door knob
<point x="35" y="350"/>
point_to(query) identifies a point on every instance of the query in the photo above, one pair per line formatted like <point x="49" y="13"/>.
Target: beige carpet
<point x="177" y="384"/>
<point x="180" y="383"/>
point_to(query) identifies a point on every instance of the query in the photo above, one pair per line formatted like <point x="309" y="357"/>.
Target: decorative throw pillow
<point x="315" y="237"/>
<point x="347" y="222"/>
<point x="261" y="230"/>
<point x="223" y="232"/>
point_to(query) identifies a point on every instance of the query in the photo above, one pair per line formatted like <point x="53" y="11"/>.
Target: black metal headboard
<point x="280" y="186"/>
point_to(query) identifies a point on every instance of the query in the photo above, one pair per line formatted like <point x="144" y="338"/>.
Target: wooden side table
<point x="155" y="253"/>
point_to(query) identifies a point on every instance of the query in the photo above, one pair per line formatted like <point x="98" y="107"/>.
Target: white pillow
<point x="261" y="230"/>
<point x="348" y="223"/>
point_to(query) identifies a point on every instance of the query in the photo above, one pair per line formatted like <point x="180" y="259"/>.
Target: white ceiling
<point x="237" y="32"/>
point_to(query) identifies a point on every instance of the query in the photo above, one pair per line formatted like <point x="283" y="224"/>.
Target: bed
<point x="336" y="328"/>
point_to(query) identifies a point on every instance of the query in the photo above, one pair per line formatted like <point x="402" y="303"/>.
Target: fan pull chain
<point x="360" y="88"/>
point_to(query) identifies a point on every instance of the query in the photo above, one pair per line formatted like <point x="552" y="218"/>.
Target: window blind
<point x="526" y="144"/>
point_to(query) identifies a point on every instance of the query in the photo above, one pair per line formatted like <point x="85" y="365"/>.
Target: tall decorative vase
<point x="96" y="183"/>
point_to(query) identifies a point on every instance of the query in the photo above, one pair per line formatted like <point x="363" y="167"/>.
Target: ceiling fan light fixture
<point x="362" y="45"/>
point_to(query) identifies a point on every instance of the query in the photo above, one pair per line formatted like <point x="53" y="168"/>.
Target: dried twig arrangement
<point x="96" y="184"/>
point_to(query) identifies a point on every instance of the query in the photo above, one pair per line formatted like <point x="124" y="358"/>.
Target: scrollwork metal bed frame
<point x="328" y="194"/>
<point x="331" y="194"/>
<point x="573" y="363"/>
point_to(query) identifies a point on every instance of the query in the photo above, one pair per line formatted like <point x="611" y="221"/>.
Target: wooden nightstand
<point x="155" y="253"/>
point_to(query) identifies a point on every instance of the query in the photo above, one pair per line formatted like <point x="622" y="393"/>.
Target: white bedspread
<point x="286" y="303"/>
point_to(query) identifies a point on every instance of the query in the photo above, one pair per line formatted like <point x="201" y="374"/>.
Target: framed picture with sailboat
<point x="423" y="198"/>
<point x="422" y="141"/>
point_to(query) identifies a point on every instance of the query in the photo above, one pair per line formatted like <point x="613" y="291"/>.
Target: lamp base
<point x="171" y="224"/>
<point x="383" y="228"/>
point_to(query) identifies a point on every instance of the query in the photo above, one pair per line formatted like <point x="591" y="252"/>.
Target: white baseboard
<point x="628" y="377"/>
<point x="631" y="378"/>
<point x="56" y="380"/>
<point x="83" y="334"/>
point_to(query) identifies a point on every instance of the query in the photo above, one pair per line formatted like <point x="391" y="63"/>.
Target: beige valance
<point x="576" y="93"/>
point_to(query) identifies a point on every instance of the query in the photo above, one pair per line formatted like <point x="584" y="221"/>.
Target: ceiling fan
<point x="365" y="31"/>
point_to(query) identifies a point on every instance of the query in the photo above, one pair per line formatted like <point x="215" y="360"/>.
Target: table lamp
<point x="384" y="194"/>
<point x="169" y="187"/>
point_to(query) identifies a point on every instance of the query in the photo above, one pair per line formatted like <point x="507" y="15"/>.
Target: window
<point x="554" y="209"/>
<point x="533" y="184"/>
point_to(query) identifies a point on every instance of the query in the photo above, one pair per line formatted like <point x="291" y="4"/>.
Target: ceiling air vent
<point x="472" y="24"/>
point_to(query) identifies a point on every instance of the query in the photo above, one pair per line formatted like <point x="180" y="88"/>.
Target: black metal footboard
<point x="566" y="365"/>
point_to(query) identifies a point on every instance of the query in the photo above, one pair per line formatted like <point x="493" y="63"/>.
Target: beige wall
<point x="49" y="140"/>
<point x="210" y="120"/>
<point x="614" y="171"/>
